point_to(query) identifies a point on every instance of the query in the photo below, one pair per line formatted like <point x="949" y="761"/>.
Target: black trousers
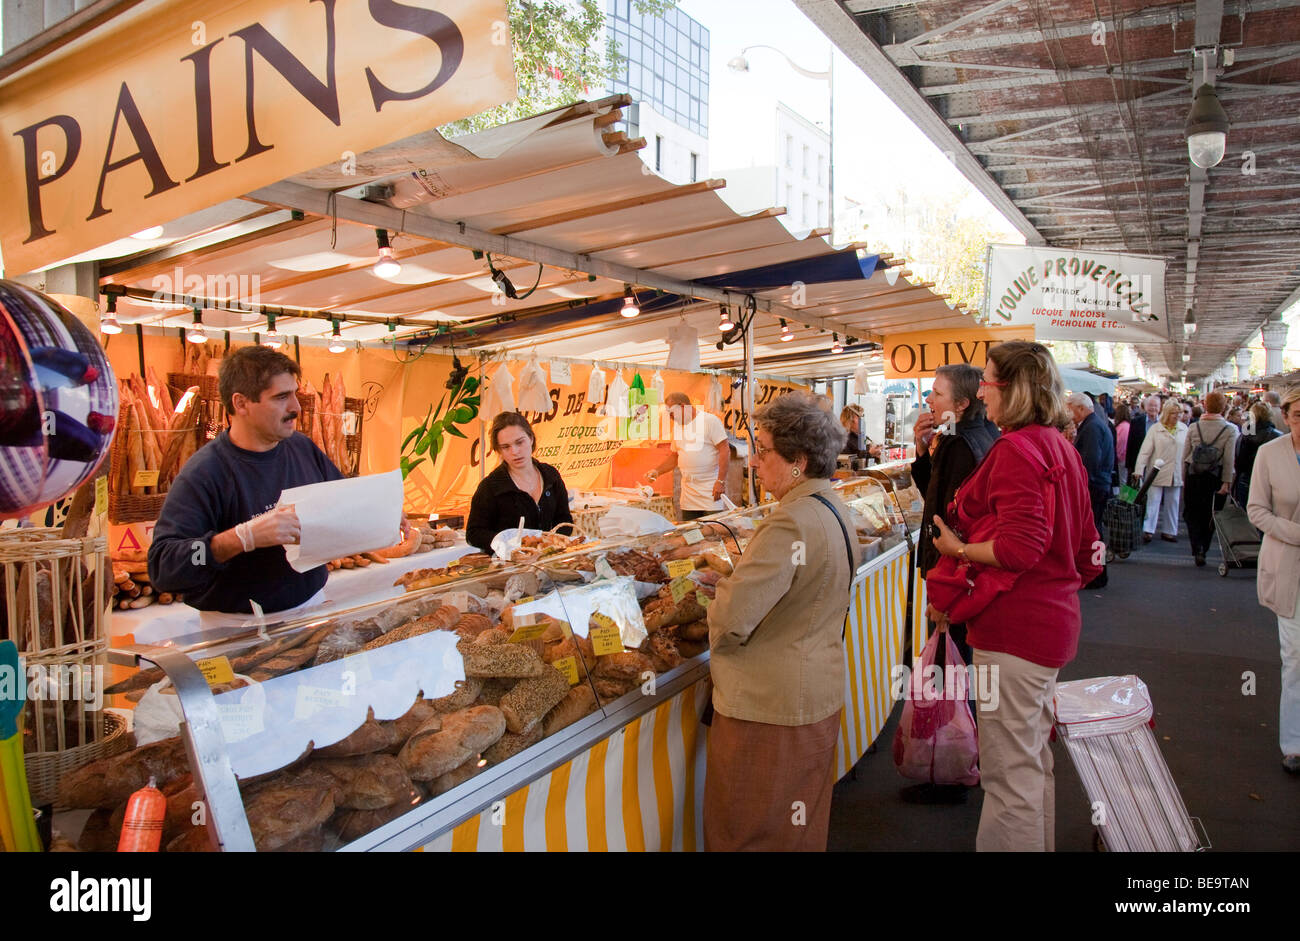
<point x="1099" y="500"/>
<point x="1201" y="500"/>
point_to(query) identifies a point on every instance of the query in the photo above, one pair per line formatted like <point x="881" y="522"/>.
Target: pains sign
<point x="172" y="108"/>
<point x="1077" y="295"/>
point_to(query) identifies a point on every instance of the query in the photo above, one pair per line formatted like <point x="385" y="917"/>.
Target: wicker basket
<point x="44" y="769"/>
<point x="48" y="603"/>
<point x="351" y="443"/>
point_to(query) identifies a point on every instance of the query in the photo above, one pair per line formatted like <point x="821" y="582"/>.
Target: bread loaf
<point x="574" y="646"/>
<point x="610" y="689"/>
<point x="662" y="651"/>
<point x="532" y="698"/>
<point x="370" y="736"/>
<point x="488" y="659"/>
<point x="694" y="630"/>
<point x="441" y="619"/>
<point x="369" y="782"/>
<point x="578" y="702"/>
<point x="467" y="691"/>
<point x="404" y="726"/>
<point x="191" y="840"/>
<point x="471" y="625"/>
<point x="284" y="809"/>
<point x="449" y="741"/>
<point x="628" y="665"/>
<point x="354" y="824"/>
<point x="493" y="691"/>
<point x="691" y="648"/>
<point x="456" y="776"/>
<point x="512" y="743"/>
<point x="110" y="781"/>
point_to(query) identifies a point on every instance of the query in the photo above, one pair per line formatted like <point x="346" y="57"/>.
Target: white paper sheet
<point x="344" y="517"/>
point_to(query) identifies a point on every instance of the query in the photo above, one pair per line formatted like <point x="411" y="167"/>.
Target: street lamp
<point x="741" y="64"/>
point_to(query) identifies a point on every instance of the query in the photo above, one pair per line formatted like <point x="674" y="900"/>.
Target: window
<point x="821" y="169"/>
<point x="789" y="197"/>
<point x="789" y="150"/>
<point x="659" y="153"/>
<point x="805" y="161"/>
<point x="821" y="212"/>
<point x="695" y="167"/>
<point x="806" y="210"/>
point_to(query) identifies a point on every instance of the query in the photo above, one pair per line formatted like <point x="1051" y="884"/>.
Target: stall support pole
<point x="747" y="402"/>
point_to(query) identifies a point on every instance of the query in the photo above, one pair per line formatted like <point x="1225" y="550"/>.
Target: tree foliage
<point x="559" y="58"/>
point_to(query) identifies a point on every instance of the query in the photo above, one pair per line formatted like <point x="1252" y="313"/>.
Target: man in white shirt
<point x="702" y="451"/>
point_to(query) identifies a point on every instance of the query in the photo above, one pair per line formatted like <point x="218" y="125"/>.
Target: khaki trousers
<point x="1015" y="758"/>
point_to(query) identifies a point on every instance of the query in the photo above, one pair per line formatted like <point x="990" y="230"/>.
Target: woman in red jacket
<point x="1028" y="501"/>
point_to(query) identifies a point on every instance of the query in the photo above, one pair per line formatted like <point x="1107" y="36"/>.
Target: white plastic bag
<point x="713" y="402"/>
<point x="683" y="347"/>
<point x="533" y="393"/>
<point x="860" y="386"/>
<point x="632" y="521"/>
<point x="500" y="393"/>
<point x="657" y="385"/>
<point x="618" y="405"/>
<point x="596" y="386"/>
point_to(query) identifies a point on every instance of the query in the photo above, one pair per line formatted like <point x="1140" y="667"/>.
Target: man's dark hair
<point x="249" y="371"/>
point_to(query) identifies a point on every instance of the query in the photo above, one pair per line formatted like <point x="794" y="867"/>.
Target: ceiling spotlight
<point x="630" y="309"/>
<point x="1187" y="357"/>
<point x="387" y="266"/>
<point x="108" y="323"/>
<point x="725" y="322"/>
<point x="149" y="234"/>
<point x="336" y="340"/>
<point x="836" y="345"/>
<point x="1189" y="325"/>
<point x="272" y="336"/>
<point x="196" y="333"/>
<point x="786" y="334"/>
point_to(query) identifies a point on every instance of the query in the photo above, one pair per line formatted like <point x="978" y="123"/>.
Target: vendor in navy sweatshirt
<point x="220" y="536"/>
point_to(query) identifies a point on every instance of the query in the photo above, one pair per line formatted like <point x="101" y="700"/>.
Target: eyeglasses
<point x="984" y="383"/>
<point x="760" y="451"/>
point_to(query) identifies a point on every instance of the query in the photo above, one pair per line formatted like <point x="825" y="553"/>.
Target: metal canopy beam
<point x="377" y="215"/>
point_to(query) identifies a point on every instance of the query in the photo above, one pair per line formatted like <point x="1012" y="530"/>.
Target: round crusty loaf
<point x="580" y="701"/>
<point x="370" y="782"/>
<point x="440" y="746"/>
<point x="471" y="625"/>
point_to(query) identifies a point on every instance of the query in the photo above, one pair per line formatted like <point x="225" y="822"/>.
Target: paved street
<point x="1190" y="635"/>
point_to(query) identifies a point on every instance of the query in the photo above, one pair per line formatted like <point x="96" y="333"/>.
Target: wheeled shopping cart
<point x="1239" y="540"/>
<point x="1123" y="520"/>
<point x="1105" y="726"/>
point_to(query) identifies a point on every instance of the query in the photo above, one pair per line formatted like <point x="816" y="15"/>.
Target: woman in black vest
<point x="951" y="440"/>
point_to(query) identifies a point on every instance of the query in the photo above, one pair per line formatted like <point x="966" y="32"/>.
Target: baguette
<point x="134" y="451"/>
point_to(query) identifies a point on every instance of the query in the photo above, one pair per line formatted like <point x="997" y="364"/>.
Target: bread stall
<point x="552" y="702"/>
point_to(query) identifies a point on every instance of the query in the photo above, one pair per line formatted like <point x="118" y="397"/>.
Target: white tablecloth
<point x="346" y="588"/>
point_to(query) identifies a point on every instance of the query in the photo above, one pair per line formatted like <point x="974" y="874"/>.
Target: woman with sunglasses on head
<point x="521" y="487"/>
<point x="1022" y="538"/>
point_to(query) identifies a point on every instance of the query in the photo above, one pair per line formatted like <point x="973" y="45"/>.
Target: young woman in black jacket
<point x="519" y="487"/>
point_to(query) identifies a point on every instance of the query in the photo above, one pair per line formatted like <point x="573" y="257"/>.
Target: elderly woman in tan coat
<point x="1274" y="507"/>
<point x="776" y="636"/>
<point x="1163" y="443"/>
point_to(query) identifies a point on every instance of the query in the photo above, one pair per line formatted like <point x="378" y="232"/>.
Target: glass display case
<point x="327" y="731"/>
<point x="897" y="477"/>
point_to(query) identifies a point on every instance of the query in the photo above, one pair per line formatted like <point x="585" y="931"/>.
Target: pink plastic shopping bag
<point x="936" y="739"/>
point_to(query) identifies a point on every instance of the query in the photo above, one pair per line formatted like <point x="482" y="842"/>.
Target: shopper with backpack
<point x="1208" y="461"/>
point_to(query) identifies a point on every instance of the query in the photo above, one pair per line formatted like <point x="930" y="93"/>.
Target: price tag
<point x="569" y="667"/>
<point x="681" y="587"/>
<point x="101" y="496"/>
<point x="314" y="699"/>
<point x="692" y="536"/>
<point x="604" y="569"/>
<point x="530" y="631"/>
<point x="216" y="670"/>
<point x="702" y="599"/>
<point x="241" y="721"/>
<point x="679" y="567"/>
<point x="145" y="478"/>
<point x="605" y="637"/>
